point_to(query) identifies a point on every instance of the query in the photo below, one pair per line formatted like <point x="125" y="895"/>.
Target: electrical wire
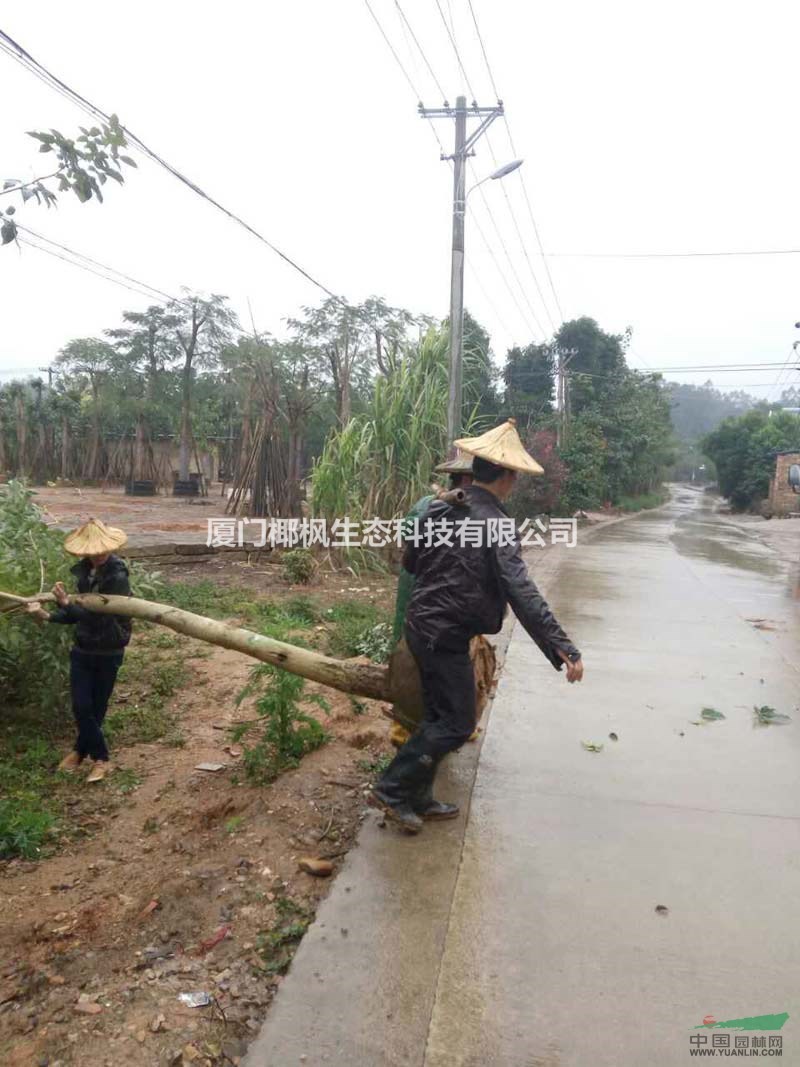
<point x="520" y="174"/>
<point x="505" y="280"/>
<point x="84" y="266"/>
<point x="425" y="59"/>
<point x="406" y="22"/>
<point x="506" y="197"/>
<point x="483" y="49"/>
<point x="674" y="255"/>
<point x="16" y="51"/>
<point x="158" y="293"/>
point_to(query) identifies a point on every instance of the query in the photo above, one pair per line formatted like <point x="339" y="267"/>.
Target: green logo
<point x="753" y="1022"/>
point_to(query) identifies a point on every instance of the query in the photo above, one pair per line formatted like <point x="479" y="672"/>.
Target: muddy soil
<point x="181" y="880"/>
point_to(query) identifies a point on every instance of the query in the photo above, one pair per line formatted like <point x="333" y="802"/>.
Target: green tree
<point x="743" y="450"/>
<point x="529" y="377"/>
<point x="91" y="360"/>
<point x="82" y="165"/>
<point x="593" y="357"/>
<point x="203" y="326"/>
<point x="145" y="345"/>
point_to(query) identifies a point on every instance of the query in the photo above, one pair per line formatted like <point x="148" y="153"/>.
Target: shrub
<point x="24" y="827"/>
<point x="33" y="661"/>
<point x="298" y="566"/>
<point x="376" y="642"/>
<point x="285" y="731"/>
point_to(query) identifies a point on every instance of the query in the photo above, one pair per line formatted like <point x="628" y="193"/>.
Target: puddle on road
<point x="699" y="535"/>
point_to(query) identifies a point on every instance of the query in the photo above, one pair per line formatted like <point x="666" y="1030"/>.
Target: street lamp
<point x="501" y="172"/>
<point x="457" y="283"/>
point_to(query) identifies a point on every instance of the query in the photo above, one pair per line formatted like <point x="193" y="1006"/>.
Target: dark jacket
<point x="97" y="633"/>
<point x="463" y="590"/>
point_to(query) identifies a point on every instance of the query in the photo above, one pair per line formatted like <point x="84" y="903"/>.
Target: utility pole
<point x="49" y="372"/>
<point x="565" y="357"/>
<point x="463" y="149"/>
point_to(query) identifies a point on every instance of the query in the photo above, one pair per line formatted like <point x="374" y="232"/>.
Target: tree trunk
<point x="64" y="447"/>
<point x="349" y="676"/>
<point x="22" y="437"/>
<point x="139" y="448"/>
<point x="186" y="423"/>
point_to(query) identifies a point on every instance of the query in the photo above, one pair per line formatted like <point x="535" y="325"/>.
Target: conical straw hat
<point x="459" y="465"/>
<point x="94" y="538"/>
<point x="503" y="447"/>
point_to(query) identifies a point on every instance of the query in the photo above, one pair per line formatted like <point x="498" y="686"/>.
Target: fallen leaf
<point x="768" y="716"/>
<point x="591" y="746"/>
<point x="711" y="714"/>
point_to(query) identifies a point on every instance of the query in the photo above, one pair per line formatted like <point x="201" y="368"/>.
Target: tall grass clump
<point x="382" y="461"/>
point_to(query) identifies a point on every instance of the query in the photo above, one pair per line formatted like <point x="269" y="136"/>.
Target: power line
<point x="401" y="65"/>
<point x="483" y="49"/>
<point x="425" y="59"/>
<point x="86" y="267"/>
<point x="505" y="280"/>
<point x="510" y="261"/>
<point x="11" y="47"/>
<point x="158" y="293"/>
<point x="391" y="48"/>
<point x="522" y="183"/>
<point x="455" y="48"/>
<point x="674" y="255"/>
<point x="407" y="23"/>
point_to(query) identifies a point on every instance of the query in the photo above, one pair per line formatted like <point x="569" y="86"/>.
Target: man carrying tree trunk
<point x="463" y="586"/>
<point x="460" y="472"/>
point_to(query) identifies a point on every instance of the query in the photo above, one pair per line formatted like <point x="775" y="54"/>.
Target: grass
<point x="30" y="807"/>
<point x="642" y="501"/>
<point x="277" y="946"/>
<point x="376" y="766"/>
<point x="349" y="624"/>
<point x="149" y="684"/>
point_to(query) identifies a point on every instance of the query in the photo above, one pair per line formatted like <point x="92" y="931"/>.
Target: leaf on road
<point x="711" y="714"/>
<point x="591" y="746"/>
<point x="768" y="716"/>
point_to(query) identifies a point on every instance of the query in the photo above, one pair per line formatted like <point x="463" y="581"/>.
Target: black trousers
<point x="92" y="679"/>
<point x="448" y="690"/>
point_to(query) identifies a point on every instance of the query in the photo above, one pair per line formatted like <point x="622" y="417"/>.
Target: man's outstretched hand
<point x="574" y="670"/>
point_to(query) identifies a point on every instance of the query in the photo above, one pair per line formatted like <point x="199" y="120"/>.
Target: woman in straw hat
<point x="462" y="588"/>
<point x="100" y="640"/>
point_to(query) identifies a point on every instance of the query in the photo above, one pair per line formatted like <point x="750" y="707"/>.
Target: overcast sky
<point x="644" y="127"/>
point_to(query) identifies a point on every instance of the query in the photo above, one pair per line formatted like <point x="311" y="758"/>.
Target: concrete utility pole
<point x="463" y="149"/>
<point x="565" y="357"/>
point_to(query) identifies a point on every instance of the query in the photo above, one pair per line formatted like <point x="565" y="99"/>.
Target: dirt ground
<point x="145" y="519"/>
<point x="180" y="880"/>
<point x="177" y="880"/>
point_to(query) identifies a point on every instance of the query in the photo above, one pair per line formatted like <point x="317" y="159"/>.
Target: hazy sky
<point x="644" y="127"/>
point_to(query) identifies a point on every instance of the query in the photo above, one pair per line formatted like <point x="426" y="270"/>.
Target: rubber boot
<point x="424" y="804"/>
<point x="410" y="772"/>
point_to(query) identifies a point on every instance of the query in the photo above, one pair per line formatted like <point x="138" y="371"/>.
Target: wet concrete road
<point x="529" y="937"/>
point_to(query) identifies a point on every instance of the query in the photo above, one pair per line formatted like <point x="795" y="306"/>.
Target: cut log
<point x="349" y="676"/>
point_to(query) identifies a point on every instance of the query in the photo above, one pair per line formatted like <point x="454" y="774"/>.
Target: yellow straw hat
<point x="503" y="447"/>
<point x="94" y="538"/>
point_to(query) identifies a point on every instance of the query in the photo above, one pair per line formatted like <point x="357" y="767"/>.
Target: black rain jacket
<point x="100" y="634"/>
<point x="463" y="590"/>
